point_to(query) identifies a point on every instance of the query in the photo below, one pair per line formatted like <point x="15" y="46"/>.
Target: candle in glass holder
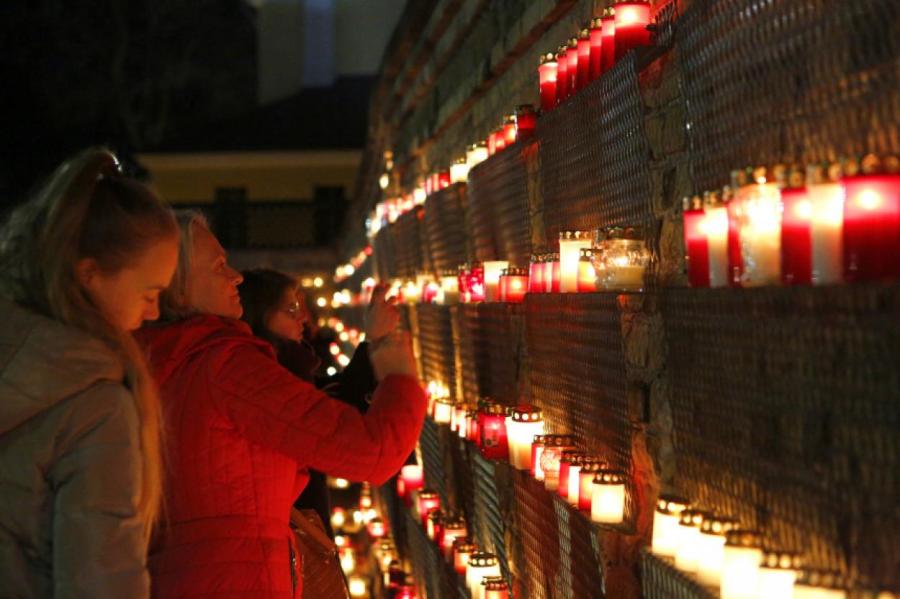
<point x="583" y="76"/>
<point x="872" y="220"/>
<point x="569" y="470"/>
<point x="608" y="497"/>
<point x="481" y="564"/>
<point x="687" y="553"/>
<point x="525" y="422"/>
<point x="496" y="588"/>
<point x="826" y="199"/>
<point x="712" y="548"/>
<point x="547" y="80"/>
<point x="468" y="413"/>
<point x="596" y="52"/>
<point x="820" y="584"/>
<point x="554" y="446"/>
<point x="535" y="275"/>
<point x="757" y="208"/>
<point x="562" y="74"/>
<point x="428" y="501"/>
<point x="411" y="478"/>
<point x="473" y="433"/>
<point x="696" y="243"/>
<point x="454" y="528"/>
<point x="526" y="121"/>
<point x="492" y="424"/>
<point x="777" y="573"/>
<point x="514" y="285"/>
<point x="459" y="171"/>
<point x="443" y="410"/>
<point x="492" y="271"/>
<point x="796" y="230"/>
<point x="740" y="564"/>
<point x="449" y="293"/>
<point x="587" y="276"/>
<point x="624" y="258"/>
<point x="590" y="466"/>
<point x="715" y="225"/>
<point x="501" y="140"/>
<point x="457" y="417"/>
<point x="476" y="154"/>
<point x="357" y="586"/>
<point x="572" y="58"/>
<point x="537" y="448"/>
<point x="735" y="256"/>
<point x="608" y="32"/>
<point x="347" y="558"/>
<point x="666" y="520"/>
<point x="443" y="180"/>
<point x="547" y="261"/>
<point x="463" y="548"/>
<point x="376" y="528"/>
<point x="475" y="284"/>
<point x="570" y="245"/>
<point x="632" y="19"/>
<point x="492" y="142"/>
<point x="509" y="130"/>
<point x="434" y="525"/>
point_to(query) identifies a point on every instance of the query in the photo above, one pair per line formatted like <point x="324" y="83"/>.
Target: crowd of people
<point x="160" y="412"/>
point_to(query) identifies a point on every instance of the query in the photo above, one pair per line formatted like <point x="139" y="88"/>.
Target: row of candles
<point x="832" y="223"/>
<point x="343" y="271"/>
<point x="599" y="44"/>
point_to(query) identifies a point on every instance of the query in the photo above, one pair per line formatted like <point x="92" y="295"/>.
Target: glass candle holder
<point x="347" y="558"/>
<point x="570" y="245"/>
<point x="496" y="588"/>
<point x="757" y="210"/>
<point x="583" y="75"/>
<point x="547" y="81"/>
<point x="475" y="285"/>
<point x="608" y="31"/>
<point x="509" y="130"/>
<point x="457" y="417"/>
<point x="740" y="564"/>
<point x="443" y="410"/>
<point x="376" y="528"/>
<point x="428" y="501"/>
<point x="687" y="553"/>
<point x="463" y="548"/>
<point x="526" y="121"/>
<point x="632" y="19"/>
<point x="476" y="154"/>
<point x="492" y="271"/>
<point x="872" y="219"/>
<point x="449" y="293"/>
<point x="587" y="276"/>
<point x="535" y="275"/>
<point x="826" y="199"/>
<point x="454" y="528"/>
<point x="481" y="564"/>
<point x="459" y="171"/>
<point x="473" y="433"/>
<point x="712" y="548"/>
<point x="715" y="229"/>
<point x="537" y="448"/>
<point x="820" y="584"/>
<point x="569" y="481"/>
<point x="548" y="273"/>
<point x="572" y="58"/>
<point x="608" y="497"/>
<point x="443" y="179"/>
<point x="777" y="573"/>
<point x="357" y="586"/>
<point x="412" y="478"/>
<point x="492" y="424"/>
<point x="562" y="74"/>
<point x="696" y="243"/>
<point x="525" y="422"/>
<point x="796" y="229"/>
<point x="623" y="260"/>
<point x="596" y="56"/>
<point x="513" y="285"/>
<point x="554" y="446"/>
<point x="492" y="142"/>
<point x="434" y="525"/>
<point x="590" y="466"/>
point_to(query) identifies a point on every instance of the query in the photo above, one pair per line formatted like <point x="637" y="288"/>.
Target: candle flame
<point x="869" y="199"/>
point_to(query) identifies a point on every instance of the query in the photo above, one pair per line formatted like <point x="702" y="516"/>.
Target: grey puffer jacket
<point x="70" y="465"/>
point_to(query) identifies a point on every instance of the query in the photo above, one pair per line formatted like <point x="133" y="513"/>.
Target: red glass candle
<point x="454" y="528"/>
<point x="500" y="138"/>
<point x="583" y="76"/>
<point x="435" y="525"/>
<point x="587" y="276"/>
<point x="572" y="58"/>
<point x="513" y="285"/>
<point x="473" y="432"/>
<point x="475" y="283"/>
<point x="547" y="80"/>
<point x="608" y="46"/>
<point x="568" y="458"/>
<point x="632" y="18"/>
<point x="429" y="185"/>
<point x="554" y="445"/>
<point x="526" y="121"/>
<point x="405" y="591"/>
<point x="462" y="279"/>
<point x="535" y="275"/>
<point x="411" y="479"/>
<point x="492" y="143"/>
<point x="590" y="465"/>
<point x="562" y="74"/>
<point x="871" y="224"/>
<point x="463" y="548"/>
<point x="496" y="589"/>
<point x="796" y="237"/>
<point x="555" y="278"/>
<point x="443" y="179"/>
<point x="430" y="291"/>
<point x="492" y="425"/>
<point x="696" y="243"/>
<point x="428" y="501"/>
<point x="596" y="55"/>
<point x="509" y="130"/>
<point x="501" y="285"/>
<point x="537" y="448"/>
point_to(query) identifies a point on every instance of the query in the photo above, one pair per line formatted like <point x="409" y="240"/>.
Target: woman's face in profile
<point x="289" y="316"/>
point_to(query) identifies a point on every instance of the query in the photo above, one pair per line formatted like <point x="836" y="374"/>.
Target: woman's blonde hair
<point x="173" y="301"/>
<point x="88" y="209"/>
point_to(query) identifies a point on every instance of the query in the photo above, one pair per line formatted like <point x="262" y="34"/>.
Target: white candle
<point x="760" y="230"/>
<point x="687" y="553"/>
<point x="712" y="549"/>
<point x="547" y="265"/>
<point x="740" y="565"/>
<point x="574" y="483"/>
<point x="715" y="225"/>
<point x="622" y="275"/>
<point x="443" y="410"/>
<point x="827" y="230"/>
<point x="521" y="426"/>
<point x="570" y="245"/>
<point x="608" y="497"/>
<point x="459" y="171"/>
<point x="492" y="270"/>
<point x="776" y="576"/>
<point x="480" y="565"/>
<point x="449" y="293"/>
<point x="665" y="525"/>
<point x="476" y="154"/>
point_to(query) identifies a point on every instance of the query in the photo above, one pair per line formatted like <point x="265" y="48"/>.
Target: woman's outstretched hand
<point x="382" y="316"/>
<point x="393" y="354"/>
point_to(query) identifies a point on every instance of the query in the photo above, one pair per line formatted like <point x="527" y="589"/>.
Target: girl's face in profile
<point x="289" y="317"/>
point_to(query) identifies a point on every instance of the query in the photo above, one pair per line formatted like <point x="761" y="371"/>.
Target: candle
<point x="514" y="285"/>
<point x="473" y="433"/>
<point x="590" y="466"/>
<point x="537" y="448"/>
<point x="338" y="517"/>
<point x="456" y="417"/>
<point x="365" y="497"/>
<point x="430" y="292"/>
<point x="596" y="51"/>
<point x="376" y="528"/>
<point x="872" y="221"/>
<point x="562" y="74"/>
<point x="475" y="285"/>
<point x="463" y="548"/>
<point x="696" y="244"/>
<point x="428" y="501"/>
<point x="740" y="564"/>
<point x="758" y="210"/>
<point x="715" y="228"/>
<point x="608" y="32"/>
<point x="449" y="293"/>
<point x="632" y="18"/>
<point x="548" y="273"/>
<point x="624" y="258"/>
<point x="777" y="573"/>
<point x="587" y="276"/>
<point x="547" y="79"/>
<point x="492" y="143"/>
<point x="583" y="75"/>
<point x="492" y="271"/>
<point x="463" y="430"/>
<point x="554" y="445"/>
<point x="509" y="130"/>
<point x="443" y="410"/>
<point x="434" y="525"/>
<point x="608" y="497"/>
<point x="459" y="171"/>
<point x="687" y="551"/>
<point x="526" y="121"/>
<point x="796" y="230"/>
<point x="476" y="154"/>
<point x="826" y="199"/>
<point x="572" y="58"/>
<point x="535" y="275"/>
<point x="569" y="480"/>
<point x="492" y="425"/>
<point x="406" y="591"/>
<point x="481" y="564"/>
<point x="525" y="422"/>
<point x="496" y="588"/>
<point x="357" y="586"/>
<point x="570" y="245"/>
<point x="712" y="548"/>
<point x="500" y="138"/>
<point x="820" y="584"/>
<point x="666" y="520"/>
<point x="347" y="559"/>
<point x="454" y="528"/>
<point x="443" y="180"/>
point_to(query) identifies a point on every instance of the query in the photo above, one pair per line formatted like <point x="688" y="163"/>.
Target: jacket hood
<point x="167" y="345"/>
<point x="43" y="362"/>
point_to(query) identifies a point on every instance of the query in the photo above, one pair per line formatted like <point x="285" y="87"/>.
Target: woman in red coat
<point x="242" y="432"/>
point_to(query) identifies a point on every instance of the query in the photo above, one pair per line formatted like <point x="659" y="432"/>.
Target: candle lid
<point x="482" y="559"/>
<point x="553" y="257"/>
<point x="632" y="1"/>
<point x="712" y="199"/>
<point x="586" y="254"/>
<point x="509" y="119"/>
<point x="547" y="58"/>
<point x="691" y="518"/>
<point x="743" y="538"/>
<point x="780" y="560"/>
<point x="427" y="494"/>
<point x="514" y="271"/>
<point x="584" y="34"/>
<point x="464" y="544"/>
<point x="448" y="272"/>
<point x="561" y="52"/>
<point x="694" y="202"/>
<point x="495" y="583"/>
<point x="871" y="164"/>
<point x="573" y="456"/>
<point x="592" y="463"/>
<point x="454" y="521"/>
<point x="823" y="173"/>
<point x="827" y="579"/>
<point x="559" y="441"/>
<point x="493" y="409"/>
<point x="717" y="525"/>
<point x="567" y="235"/>
<point x="596" y="22"/>
<point x="606" y="476"/>
<point x="460" y="160"/>
<point x="791" y="176"/>
<point x="609" y="12"/>
<point x="573" y="42"/>
<point x="527" y="413"/>
<point x="445" y="400"/>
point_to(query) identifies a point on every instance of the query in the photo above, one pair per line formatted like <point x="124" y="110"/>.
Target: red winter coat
<point x="241" y="432"/>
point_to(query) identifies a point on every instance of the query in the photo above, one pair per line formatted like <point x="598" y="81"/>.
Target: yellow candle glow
<point x="524" y="423"/>
<point x="665" y="524"/>
<point x="687" y="553"/>
<point x="347" y="559"/>
<point x="570" y="245"/>
<point x="459" y="171"/>
<point x="712" y="548"/>
<point x="740" y="564"/>
<point x="357" y="586"/>
<point x="777" y="574"/>
<point x="537" y="448"/>
<point x="492" y="271"/>
<point x="443" y="410"/>
<point x="608" y="497"/>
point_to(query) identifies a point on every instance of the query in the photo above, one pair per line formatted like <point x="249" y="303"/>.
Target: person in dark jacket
<point x="276" y="311"/>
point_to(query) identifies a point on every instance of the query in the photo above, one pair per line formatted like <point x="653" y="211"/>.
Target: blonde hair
<point x="87" y="209"/>
<point x="173" y="301"/>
